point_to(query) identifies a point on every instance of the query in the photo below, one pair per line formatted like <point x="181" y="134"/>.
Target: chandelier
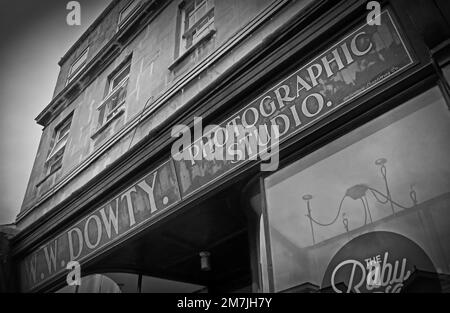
<point x="360" y="192"/>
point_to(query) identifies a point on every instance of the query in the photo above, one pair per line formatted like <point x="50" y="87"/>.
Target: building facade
<point x="363" y="180"/>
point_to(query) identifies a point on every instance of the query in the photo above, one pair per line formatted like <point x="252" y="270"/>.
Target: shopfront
<point x="359" y="202"/>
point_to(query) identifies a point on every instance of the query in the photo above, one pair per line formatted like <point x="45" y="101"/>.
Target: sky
<point x="34" y="36"/>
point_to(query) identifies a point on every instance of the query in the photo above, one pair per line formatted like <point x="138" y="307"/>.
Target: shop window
<point x="197" y="21"/>
<point x="128" y="11"/>
<point x="113" y="104"/>
<point x="96" y="283"/>
<point x="390" y="176"/>
<point x="159" y="285"/>
<point x="77" y="66"/>
<point x="129" y="283"/>
<point x="60" y="137"/>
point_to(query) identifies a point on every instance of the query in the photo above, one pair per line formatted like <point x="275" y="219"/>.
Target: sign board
<point x="380" y="262"/>
<point x="363" y="59"/>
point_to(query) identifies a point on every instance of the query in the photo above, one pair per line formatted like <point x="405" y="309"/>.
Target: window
<point x="197" y="20"/>
<point x="55" y="162"/>
<point x="129" y="283"/>
<point x="391" y="175"/>
<point x="119" y="78"/>
<point x="77" y="65"/>
<point x="54" y="159"/>
<point x="112" y="105"/>
<point x="128" y="11"/>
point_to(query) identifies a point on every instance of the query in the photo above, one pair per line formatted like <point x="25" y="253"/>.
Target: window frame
<point x="122" y="68"/>
<point x="65" y="124"/>
<point x="73" y="73"/>
<point x="111" y="112"/>
<point x="122" y="20"/>
<point x="187" y="38"/>
<point x="57" y="150"/>
<point x="55" y="160"/>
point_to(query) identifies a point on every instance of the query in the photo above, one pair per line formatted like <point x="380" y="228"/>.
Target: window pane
<point x="63" y="130"/>
<point x="202" y="23"/>
<point x="120" y="77"/>
<point x="158" y="285"/>
<point x="98" y="283"/>
<point x="199" y="2"/>
<point x="55" y="161"/>
<point x="77" y="65"/>
<point x="196" y="21"/>
<point x="101" y="115"/>
<point x="201" y="10"/>
<point x="128" y="283"/>
<point x="67" y="289"/>
<point x="61" y="136"/>
<point x="393" y="174"/>
<point x="55" y="165"/>
<point x="128" y="10"/>
<point x="191" y="21"/>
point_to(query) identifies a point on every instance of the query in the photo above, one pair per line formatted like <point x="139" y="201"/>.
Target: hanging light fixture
<point x="205" y="262"/>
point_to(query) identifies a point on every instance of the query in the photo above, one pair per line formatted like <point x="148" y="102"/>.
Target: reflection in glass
<point x="129" y="283"/>
<point x="392" y="174"/>
<point x="158" y="285"/>
<point x="98" y="283"/>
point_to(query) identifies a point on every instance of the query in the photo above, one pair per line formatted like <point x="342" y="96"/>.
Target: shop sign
<point x="381" y="262"/>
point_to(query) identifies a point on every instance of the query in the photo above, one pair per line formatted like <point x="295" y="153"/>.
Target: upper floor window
<point x="60" y="137"/>
<point x="197" y="20"/>
<point x="77" y="65"/>
<point x="112" y="105"/>
<point x="128" y="11"/>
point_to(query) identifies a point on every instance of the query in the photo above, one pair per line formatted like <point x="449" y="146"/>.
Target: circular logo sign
<point x="381" y="262"/>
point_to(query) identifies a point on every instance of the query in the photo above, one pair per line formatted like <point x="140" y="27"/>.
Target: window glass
<point x="120" y="77"/>
<point x="98" y="283"/>
<point x="55" y="161"/>
<point x="77" y="65"/>
<point x="67" y="289"/>
<point x="158" y="285"/>
<point x="60" y="138"/>
<point x="112" y="105"/>
<point x="391" y="175"/>
<point x="64" y="131"/>
<point x="128" y="10"/>
<point x="129" y="283"/>
<point x="197" y="19"/>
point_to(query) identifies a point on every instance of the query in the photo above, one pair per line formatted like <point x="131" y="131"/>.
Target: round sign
<point x="381" y="261"/>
